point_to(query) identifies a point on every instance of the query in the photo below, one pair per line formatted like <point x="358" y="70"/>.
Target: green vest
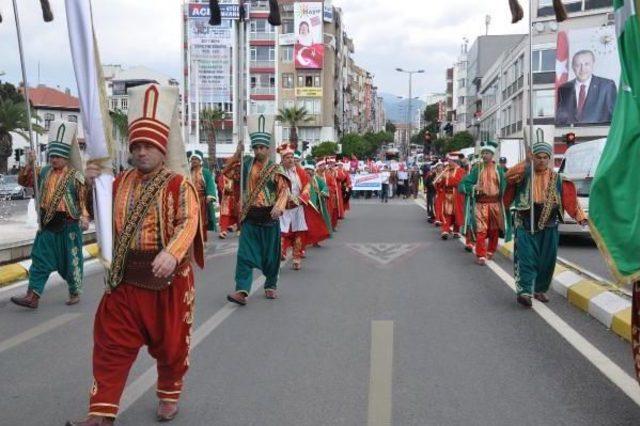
<point x="269" y="190"/>
<point x="71" y="197"/>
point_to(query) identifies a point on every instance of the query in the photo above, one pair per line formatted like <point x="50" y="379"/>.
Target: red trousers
<point x="481" y="242"/>
<point x="294" y="240"/>
<point x="449" y="221"/>
<point x="131" y="317"/>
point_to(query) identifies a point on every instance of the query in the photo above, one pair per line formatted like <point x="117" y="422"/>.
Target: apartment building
<point x="589" y="35"/>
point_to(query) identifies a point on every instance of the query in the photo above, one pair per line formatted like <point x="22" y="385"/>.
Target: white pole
<point x="185" y="81"/>
<point x="197" y="102"/>
<point x="36" y="194"/>
<point x="235" y="79"/>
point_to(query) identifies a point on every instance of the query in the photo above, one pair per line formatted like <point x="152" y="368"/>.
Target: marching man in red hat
<point x="150" y="291"/>
<point x="447" y="182"/>
<point x="293" y="225"/>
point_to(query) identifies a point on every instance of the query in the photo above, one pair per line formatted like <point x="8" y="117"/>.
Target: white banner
<point x="88" y="69"/>
<point x="210" y="52"/>
<point x="366" y="182"/>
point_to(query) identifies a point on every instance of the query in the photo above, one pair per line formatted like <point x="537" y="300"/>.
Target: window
<point x="544" y="60"/>
<point x="48" y="118"/>
<point x="544" y="102"/>
<point x="114" y="104"/>
<point x="286" y="54"/>
<point x="461" y="100"/>
<point x="72" y="118"/>
<point x="287" y="81"/>
<point x="461" y="82"/>
<point x="309" y="80"/>
<point x="263" y="53"/>
<point x="263" y="107"/>
<point x="125" y="103"/>
<point x="260" y="26"/>
<point x="288" y="104"/>
<point x="312" y="105"/>
<point x="287" y="26"/>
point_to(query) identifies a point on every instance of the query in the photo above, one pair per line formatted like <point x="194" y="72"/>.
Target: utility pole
<point x="407" y="146"/>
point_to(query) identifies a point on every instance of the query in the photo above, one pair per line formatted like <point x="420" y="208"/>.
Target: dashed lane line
<point x="381" y="374"/>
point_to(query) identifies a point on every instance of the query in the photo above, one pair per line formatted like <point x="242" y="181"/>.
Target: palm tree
<point x="209" y="118"/>
<point x="294" y="116"/>
<point x="13" y="118"/>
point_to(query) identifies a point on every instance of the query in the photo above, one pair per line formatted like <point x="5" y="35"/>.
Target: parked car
<point x="579" y="165"/>
<point x="11" y="190"/>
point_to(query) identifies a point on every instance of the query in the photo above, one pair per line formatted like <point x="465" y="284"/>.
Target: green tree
<point x="209" y="119"/>
<point x="431" y="115"/>
<point x="9" y="91"/>
<point x="324" y="149"/>
<point x="461" y="140"/>
<point x="353" y="144"/>
<point x="294" y="116"/>
<point x="390" y="127"/>
<point x="13" y="118"/>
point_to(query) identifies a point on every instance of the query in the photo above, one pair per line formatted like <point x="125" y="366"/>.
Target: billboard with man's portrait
<point x="587" y="72"/>
<point x="309" y="47"/>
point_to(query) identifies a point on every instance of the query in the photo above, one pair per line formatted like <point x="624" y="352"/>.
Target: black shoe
<point x="525" y="301"/>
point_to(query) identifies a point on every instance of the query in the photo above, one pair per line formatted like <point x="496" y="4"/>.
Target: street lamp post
<point x="409" y="118"/>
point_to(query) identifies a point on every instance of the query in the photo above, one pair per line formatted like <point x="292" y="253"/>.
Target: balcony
<point x="259" y="6"/>
<point x="262" y="64"/>
<point x="262" y="36"/>
<point x="257" y="90"/>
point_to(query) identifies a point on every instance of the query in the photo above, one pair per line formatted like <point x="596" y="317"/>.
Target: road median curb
<point x="19" y="271"/>
<point x="589" y="295"/>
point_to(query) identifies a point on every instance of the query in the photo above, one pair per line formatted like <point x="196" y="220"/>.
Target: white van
<point x="579" y="166"/>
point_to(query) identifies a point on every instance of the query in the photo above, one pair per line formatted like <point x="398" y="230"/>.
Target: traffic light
<point x="16" y="155"/>
<point x="305" y="146"/>
<point x="570" y="139"/>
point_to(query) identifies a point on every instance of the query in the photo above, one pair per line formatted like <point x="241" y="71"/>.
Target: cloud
<point x="387" y="34"/>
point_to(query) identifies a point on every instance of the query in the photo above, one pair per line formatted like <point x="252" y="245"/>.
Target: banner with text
<point x="367" y="182"/>
<point x="309" y="47"/>
<point x="210" y="51"/>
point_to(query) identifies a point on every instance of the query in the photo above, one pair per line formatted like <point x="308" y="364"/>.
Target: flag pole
<point x="532" y="179"/>
<point x="36" y="192"/>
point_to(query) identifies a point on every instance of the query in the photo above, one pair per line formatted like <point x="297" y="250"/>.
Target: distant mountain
<point x="396" y="109"/>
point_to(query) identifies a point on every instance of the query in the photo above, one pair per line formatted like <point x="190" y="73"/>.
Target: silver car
<point x="11" y="190"/>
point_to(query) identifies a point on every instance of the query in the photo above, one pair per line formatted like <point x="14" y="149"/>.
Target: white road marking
<point x="37" y="331"/>
<point x="610" y="369"/>
<point x="381" y="375"/>
<point x="148" y="379"/>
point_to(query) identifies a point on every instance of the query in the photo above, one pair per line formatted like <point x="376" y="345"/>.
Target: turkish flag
<point x="562" y="59"/>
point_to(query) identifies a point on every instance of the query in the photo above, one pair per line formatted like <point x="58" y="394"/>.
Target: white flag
<point x="95" y="117"/>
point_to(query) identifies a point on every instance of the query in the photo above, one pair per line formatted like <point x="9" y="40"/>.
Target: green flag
<point x="614" y="206"/>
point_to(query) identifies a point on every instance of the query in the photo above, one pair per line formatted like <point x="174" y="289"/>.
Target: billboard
<point x="328" y="11"/>
<point x="309" y="92"/>
<point x="309" y="47"/>
<point x="210" y="54"/>
<point x="587" y="68"/>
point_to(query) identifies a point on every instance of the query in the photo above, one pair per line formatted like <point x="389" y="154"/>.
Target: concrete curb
<point x="14" y="272"/>
<point x="590" y="296"/>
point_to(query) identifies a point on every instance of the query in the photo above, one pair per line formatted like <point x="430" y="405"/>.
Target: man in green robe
<point x="535" y="253"/>
<point x="202" y="179"/>
<point x="63" y="216"/>
<point x="324" y="192"/>
<point x="485" y="215"/>
<point x="265" y="192"/>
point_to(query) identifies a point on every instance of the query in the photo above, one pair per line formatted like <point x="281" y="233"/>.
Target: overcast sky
<point x="411" y="34"/>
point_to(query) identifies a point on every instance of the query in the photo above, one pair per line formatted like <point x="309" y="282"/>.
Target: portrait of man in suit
<point x="587" y="99"/>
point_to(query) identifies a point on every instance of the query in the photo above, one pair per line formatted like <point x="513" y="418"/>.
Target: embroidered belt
<point x="260" y="216"/>
<point x="58" y="221"/>
<point x="484" y="199"/>
<point x="138" y="271"/>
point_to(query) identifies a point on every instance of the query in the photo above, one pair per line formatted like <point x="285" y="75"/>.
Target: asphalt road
<point x="583" y="252"/>
<point x="386" y="324"/>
